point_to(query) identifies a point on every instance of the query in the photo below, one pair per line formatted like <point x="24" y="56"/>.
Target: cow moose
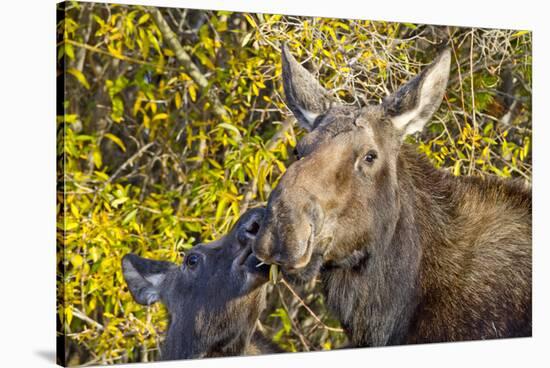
<point x="214" y="298"/>
<point x="406" y="253"/>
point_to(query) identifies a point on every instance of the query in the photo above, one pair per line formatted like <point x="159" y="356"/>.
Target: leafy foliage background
<point x="173" y="123"/>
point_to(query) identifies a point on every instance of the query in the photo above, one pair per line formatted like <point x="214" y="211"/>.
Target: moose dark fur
<point x="406" y="253"/>
<point x="214" y="298"/>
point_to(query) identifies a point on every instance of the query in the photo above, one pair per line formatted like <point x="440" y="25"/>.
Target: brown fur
<point x="406" y="253"/>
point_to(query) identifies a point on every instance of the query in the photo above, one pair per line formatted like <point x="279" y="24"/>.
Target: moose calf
<point x="214" y="298"/>
<point x="406" y="253"/>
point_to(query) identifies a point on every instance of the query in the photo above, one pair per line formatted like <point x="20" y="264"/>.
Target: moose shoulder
<point x="214" y="298"/>
<point x="406" y="253"/>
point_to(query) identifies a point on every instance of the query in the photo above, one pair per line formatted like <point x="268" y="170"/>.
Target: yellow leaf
<point x="177" y="100"/>
<point x="281" y="166"/>
<point x="214" y="163"/>
<point x="69" y="51"/>
<point x="77" y="260"/>
<point x="160" y="116"/>
<point x="101" y="175"/>
<point x="519" y="33"/>
<point x="74" y="210"/>
<point x="144" y="18"/>
<point x="220" y="208"/>
<point x="456" y="171"/>
<point x="94" y="252"/>
<point x="250" y="20"/>
<point x="79" y="76"/>
<point x="69" y="314"/>
<point x="97" y="158"/>
<point x="231" y="128"/>
<point x="193" y="93"/>
<point x="92" y="304"/>
<point x="114" y="52"/>
<point x="116" y="140"/>
<point x="137" y="104"/>
<point x="246" y="39"/>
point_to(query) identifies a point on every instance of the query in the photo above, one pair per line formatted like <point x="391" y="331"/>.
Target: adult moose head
<point x="342" y="197"/>
<point x="214" y="298"/>
<point x="406" y="253"/>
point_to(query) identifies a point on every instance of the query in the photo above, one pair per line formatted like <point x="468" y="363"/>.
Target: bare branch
<point x="185" y="59"/>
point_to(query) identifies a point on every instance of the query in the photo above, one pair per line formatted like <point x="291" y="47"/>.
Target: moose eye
<point x="371" y="156"/>
<point x="192" y="260"/>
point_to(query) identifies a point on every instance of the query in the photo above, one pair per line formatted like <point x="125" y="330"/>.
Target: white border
<point x="27" y="180"/>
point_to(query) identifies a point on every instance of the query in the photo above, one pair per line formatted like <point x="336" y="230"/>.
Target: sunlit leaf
<point x="79" y="76"/>
<point x="116" y="140"/>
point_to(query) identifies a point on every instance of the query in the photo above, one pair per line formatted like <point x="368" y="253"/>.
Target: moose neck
<point x="182" y="342"/>
<point x="393" y="271"/>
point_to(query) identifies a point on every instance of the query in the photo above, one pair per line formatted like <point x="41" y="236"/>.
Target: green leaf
<point x="129" y="217"/>
<point x="118" y="109"/>
<point x="119" y="201"/>
<point x="231" y="128"/>
<point x="273" y="274"/>
<point x="69" y="51"/>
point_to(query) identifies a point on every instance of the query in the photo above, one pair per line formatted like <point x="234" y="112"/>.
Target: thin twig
<point x="310" y="311"/>
<point x="119" y="57"/>
<point x="129" y="162"/>
<point x="80" y="315"/>
<point x="295" y="327"/>
<point x="472" y="91"/>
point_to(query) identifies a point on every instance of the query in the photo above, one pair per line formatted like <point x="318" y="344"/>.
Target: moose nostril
<point x="253" y="228"/>
<point x="248" y="232"/>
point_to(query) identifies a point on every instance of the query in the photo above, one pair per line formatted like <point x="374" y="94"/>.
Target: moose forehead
<point x="338" y="121"/>
<point x="215" y="248"/>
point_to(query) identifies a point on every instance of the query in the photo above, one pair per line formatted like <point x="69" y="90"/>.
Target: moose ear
<point x="144" y="277"/>
<point x="305" y="97"/>
<point x="414" y="103"/>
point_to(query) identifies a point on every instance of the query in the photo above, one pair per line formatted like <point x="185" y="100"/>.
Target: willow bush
<point x="172" y="123"/>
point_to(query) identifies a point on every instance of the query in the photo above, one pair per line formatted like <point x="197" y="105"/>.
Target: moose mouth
<point x="316" y="261"/>
<point x="248" y="262"/>
<point x="306" y="258"/>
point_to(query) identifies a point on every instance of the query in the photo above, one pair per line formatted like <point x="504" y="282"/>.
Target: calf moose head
<point x="340" y="199"/>
<point x="214" y="297"/>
